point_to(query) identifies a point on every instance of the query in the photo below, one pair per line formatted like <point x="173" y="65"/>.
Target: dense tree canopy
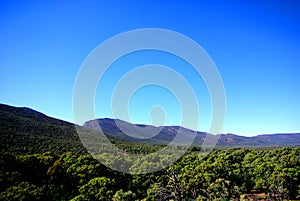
<point x="222" y="175"/>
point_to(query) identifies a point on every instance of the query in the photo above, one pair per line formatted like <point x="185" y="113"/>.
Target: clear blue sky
<point x="254" y="44"/>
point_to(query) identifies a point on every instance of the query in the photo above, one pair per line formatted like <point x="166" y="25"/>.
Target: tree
<point x="120" y="195"/>
<point x="99" y="188"/>
<point x="23" y="191"/>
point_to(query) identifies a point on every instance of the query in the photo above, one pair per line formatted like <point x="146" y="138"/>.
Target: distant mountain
<point x="264" y="140"/>
<point x="111" y="127"/>
<point x="137" y="132"/>
<point x="24" y="130"/>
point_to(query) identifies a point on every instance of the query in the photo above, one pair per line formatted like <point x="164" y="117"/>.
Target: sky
<point x="255" y="46"/>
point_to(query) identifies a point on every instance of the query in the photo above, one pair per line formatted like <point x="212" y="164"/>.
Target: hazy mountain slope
<point x="164" y="134"/>
<point x="168" y="133"/>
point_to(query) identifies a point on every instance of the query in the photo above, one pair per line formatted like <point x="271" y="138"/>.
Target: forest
<point x="42" y="158"/>
<point x="226" y="174"/>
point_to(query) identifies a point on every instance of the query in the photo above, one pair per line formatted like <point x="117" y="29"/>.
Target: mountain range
<point x="117" y="128"/>
<point x="24" y="130"/>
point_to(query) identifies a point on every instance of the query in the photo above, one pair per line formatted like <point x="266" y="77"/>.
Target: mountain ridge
<point x="24" y="130"/>
<point x="109" y="127"/>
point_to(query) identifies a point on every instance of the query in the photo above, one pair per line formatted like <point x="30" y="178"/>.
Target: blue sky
<point x="254" y="44"/>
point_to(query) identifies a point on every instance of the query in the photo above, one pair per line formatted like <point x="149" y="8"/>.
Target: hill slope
<point x="24" y="130"/>
<point x="139" y="133"/>
<point x="168" y="133"/>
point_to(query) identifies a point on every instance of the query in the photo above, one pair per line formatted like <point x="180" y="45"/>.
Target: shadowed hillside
<point x="24" y="130"/>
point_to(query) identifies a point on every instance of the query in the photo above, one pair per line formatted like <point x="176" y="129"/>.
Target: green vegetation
<point x="42" y="158"/>
<point x="25" y="131"/>
<point x="221" y="175"/>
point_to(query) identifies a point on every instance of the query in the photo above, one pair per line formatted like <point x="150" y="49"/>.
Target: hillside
<point x="168" y="133"/>
<point x="24" y="130"/>
<point x="164" y="134"/>
<point x="42" y="158"/>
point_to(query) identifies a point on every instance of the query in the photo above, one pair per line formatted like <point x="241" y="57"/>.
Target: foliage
<point x="222" y="175"/>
